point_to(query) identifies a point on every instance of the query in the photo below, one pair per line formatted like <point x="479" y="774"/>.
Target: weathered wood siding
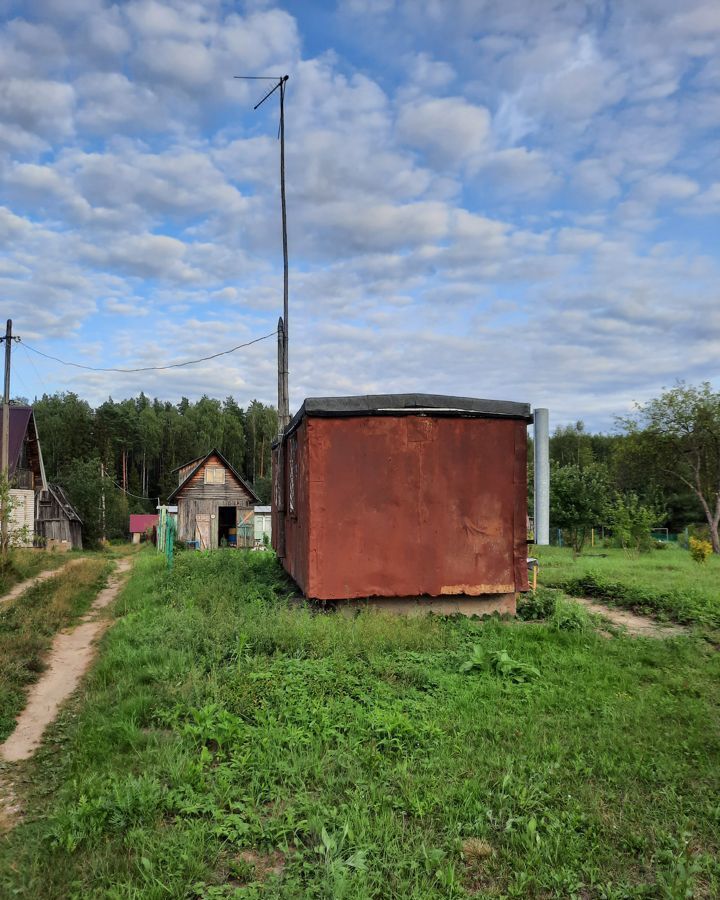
<point x="184" y="471"/>
<point x="53" y="524"/>
<point x="198" y="504"/>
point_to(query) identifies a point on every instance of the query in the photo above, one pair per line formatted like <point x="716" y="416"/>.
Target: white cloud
<point x="40" y="107"/>
<point x="143" y="256"/>
<point x="428" y="74"/>
<point x="449" y="129"/>
<point x="108" y="103"/>
<point x="518" y="170"/>
<point x="667" y="187"/>
<point x="596" y="178"/>
<point x="577" y="240"/>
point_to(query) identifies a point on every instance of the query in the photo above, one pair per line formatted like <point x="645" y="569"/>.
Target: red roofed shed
<point x="140" y="523"/>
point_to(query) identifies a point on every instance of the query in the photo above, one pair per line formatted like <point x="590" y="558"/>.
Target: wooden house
<point x="57" y="523"/>
<point x="215" y="504"/>
<point x="414" y="501"/>
<point x="26" y="473"/>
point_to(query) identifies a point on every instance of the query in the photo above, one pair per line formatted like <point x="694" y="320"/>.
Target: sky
<point x="510" y="199"/>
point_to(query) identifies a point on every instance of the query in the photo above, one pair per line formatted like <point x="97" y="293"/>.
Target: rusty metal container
<point x="412" y="500"/>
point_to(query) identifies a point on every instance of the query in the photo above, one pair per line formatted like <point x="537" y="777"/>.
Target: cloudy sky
<point x="516" y="199"/>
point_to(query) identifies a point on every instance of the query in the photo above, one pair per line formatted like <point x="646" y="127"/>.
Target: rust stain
<point x="474" y="590"/>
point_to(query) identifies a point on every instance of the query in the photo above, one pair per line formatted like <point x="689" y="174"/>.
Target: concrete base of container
<point x="483" y="605"/>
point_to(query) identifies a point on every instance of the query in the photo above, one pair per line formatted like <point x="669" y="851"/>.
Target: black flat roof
<point x="408" y="405"/>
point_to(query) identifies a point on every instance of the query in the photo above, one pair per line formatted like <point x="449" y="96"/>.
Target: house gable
<point x="25" y="460"/>
<point x="213" y="475"/>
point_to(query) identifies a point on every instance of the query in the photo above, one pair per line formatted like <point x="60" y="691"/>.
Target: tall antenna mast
<point x="283" y="390"/>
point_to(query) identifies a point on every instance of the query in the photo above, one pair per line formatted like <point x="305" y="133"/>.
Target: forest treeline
<point x="662" y="464"/>
<point x="661" y="469"/>
<point x="618" y="468"/>
<point x="138" y="443"/>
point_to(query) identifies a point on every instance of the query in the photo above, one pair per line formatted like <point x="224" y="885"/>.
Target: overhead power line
<point x="178" y="365"/>
<point x="129" y="493"/>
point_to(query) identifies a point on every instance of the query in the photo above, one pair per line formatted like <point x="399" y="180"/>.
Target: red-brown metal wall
<point x="405" y="506"/>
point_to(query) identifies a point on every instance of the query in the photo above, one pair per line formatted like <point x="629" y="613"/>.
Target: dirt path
<point x="70" y="656"/>
<point x="640" y="626"/>
<point x="23" y="586"/>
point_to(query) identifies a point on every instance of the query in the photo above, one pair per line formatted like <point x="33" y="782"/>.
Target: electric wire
<point x="178" y="365"/>
<point x="129" y="493"/>
<point x="42" y="381"/>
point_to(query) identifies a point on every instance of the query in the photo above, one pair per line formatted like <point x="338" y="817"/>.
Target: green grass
<point x="29" y="623"/>
<point x="229" y="745"/>
<point x="665" y="583"/>
<point x="23" y="564"/>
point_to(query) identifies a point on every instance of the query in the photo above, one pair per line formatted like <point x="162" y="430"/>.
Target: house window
<point x="214" y="475"/>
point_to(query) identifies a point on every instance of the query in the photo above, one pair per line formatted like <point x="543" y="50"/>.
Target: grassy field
<point x="26" y="563"/>
<point x="28" y="624"/>
<point x="666" y="583"/>
<point x="229" y="745"/>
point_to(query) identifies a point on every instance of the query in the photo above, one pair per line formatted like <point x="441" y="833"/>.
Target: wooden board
<point x="202" y="530"/>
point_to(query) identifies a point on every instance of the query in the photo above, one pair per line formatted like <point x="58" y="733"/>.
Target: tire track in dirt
<point x="70" y="656"/>
<point x="23" y="586"/>
<point x="639" y="626"/>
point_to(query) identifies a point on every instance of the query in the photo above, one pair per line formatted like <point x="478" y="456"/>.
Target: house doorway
<point x="227" y="526"/>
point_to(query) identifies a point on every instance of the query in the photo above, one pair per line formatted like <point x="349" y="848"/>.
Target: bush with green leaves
<point x="632" y="521"/>
<point x="569" y="616"/>
<point x="537" y="605"/>
<point x="578" y="497"/>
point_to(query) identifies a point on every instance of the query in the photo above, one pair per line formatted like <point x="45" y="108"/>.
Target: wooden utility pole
<point x="284" y="413"/>
<point x="6" y="439"/>
<point x="281" y="371"/>
<point x="283" y="357"/>
<point x="102" y="500"/>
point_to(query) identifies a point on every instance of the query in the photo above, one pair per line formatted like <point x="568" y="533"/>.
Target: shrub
<point x="577" y="499"/>
<point x="535" y="606"/>
<point x="699" y="549"/>
<point x="632" y="521"/>
<point x="569" y="616"/>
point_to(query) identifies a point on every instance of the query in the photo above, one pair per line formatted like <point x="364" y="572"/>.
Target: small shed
<point x="26" y="472"/>
<point x="215" y="504"/>
<point x="57" y="521"/>
<point x="140" y="524"/>
<point x="414" y="501"/>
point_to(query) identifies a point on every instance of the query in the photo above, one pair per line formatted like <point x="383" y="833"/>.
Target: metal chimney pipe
<point x="541" y="419"/>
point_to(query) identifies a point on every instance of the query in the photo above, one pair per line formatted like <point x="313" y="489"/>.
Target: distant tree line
<point x="137" y="443"/>
<point x="660" y="469"/>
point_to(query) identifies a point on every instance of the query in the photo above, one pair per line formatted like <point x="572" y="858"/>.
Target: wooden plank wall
<point x="200" y="499"/>
<point x="53" y="524"/>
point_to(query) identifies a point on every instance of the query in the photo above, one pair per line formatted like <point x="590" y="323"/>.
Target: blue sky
<point x="498" y="199"/>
